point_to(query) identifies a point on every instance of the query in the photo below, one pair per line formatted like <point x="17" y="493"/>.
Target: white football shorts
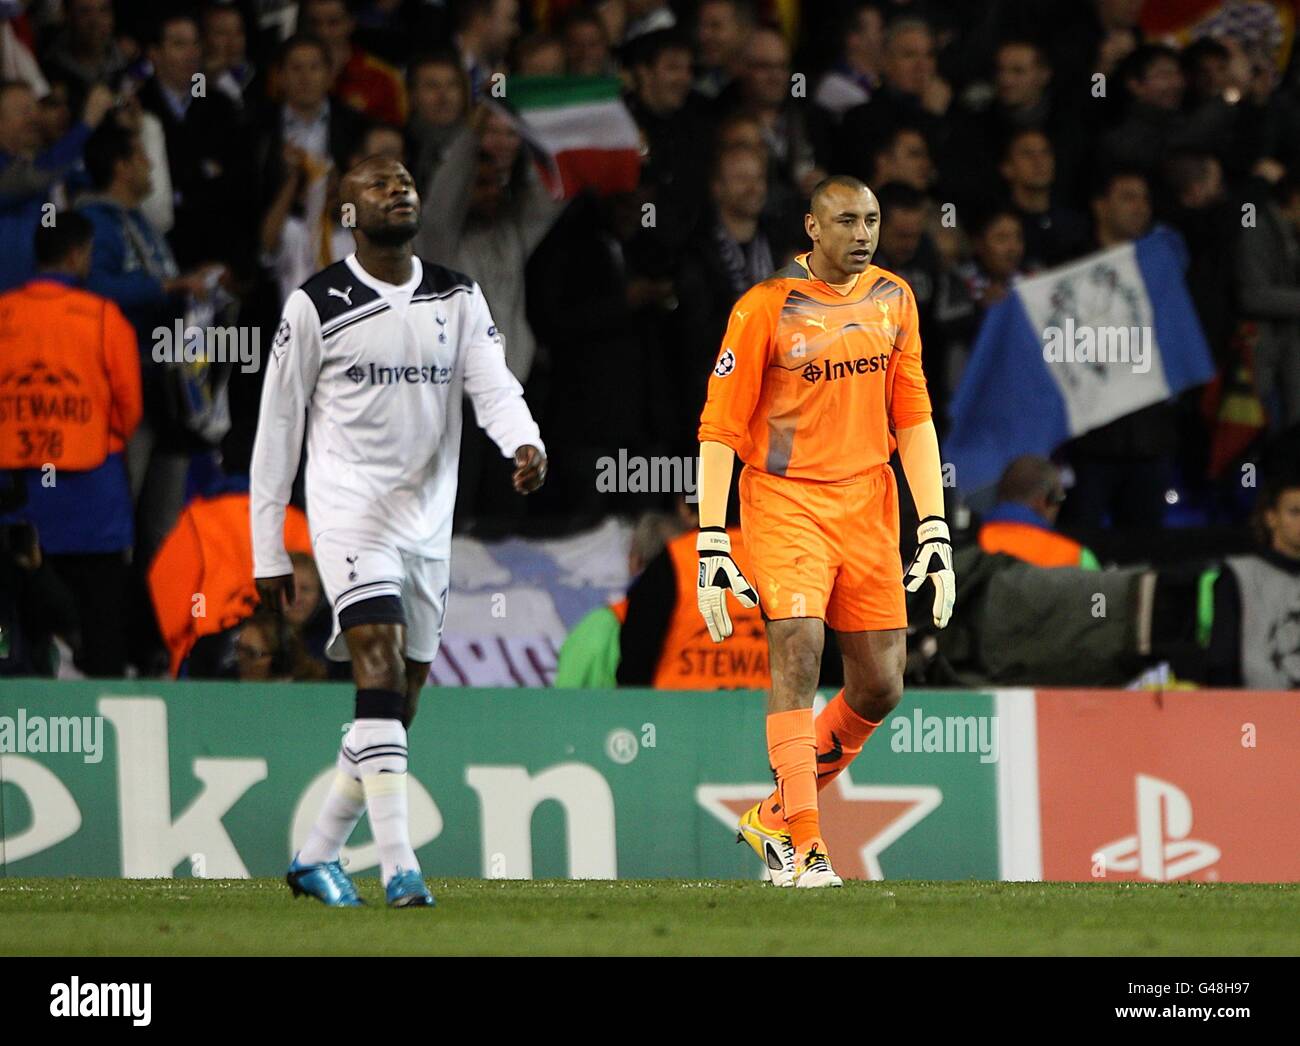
<point x="355" y="566"/>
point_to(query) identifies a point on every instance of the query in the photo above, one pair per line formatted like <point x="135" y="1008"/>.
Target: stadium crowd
<point x="1002" y="138"/>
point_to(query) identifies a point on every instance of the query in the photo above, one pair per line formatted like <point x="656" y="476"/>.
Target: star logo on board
<point x="859" y="821"/>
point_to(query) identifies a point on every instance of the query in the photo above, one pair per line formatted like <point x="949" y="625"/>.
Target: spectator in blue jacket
<point x="29" y="176"/>
<point x="133" y="266"/>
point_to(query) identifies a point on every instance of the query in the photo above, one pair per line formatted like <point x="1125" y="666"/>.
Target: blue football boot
<point x="327" y="882"/>
<point x="406" y="889"/>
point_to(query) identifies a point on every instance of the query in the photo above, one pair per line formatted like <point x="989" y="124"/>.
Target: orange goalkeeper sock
<point x="792" y="749"/>
<point x="840" y="734"/>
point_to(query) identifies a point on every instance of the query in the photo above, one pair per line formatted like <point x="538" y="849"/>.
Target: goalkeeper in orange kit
<point x="818" y="379"/>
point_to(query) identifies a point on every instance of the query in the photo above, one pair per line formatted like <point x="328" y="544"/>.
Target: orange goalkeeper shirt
<point x="812" y="383"/>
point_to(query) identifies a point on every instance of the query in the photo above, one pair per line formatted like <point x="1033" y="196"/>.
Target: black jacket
<point x="210" y="176"/>
<point x="347" y="126"/>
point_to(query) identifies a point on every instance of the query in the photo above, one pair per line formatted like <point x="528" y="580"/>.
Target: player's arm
<point x="498" y="397"/>
<point x="734" y="388"/>
<point x="918" y="450"/>
<point x="717" y="463"/>
<point x="291" y="372"/>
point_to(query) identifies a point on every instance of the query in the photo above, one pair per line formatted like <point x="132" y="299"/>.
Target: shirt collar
<point x="802" y="259"/>
<point x="375" y="284"/>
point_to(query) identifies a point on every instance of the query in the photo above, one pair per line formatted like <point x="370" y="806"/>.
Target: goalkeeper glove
<point x="718" y="572"/>
<point x="933" y="559"/>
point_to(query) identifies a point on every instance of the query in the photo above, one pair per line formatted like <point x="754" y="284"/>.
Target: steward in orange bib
<point x="70" y="385"/>
<point x="1020" y="524"/>
<point x="665" y="643"/>
<point x="69" y="399"/>
<point x="210" y="553"/>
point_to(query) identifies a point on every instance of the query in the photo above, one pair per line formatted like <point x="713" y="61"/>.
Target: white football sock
<point x="380" y="749"/>
<point x="339" y="814"/>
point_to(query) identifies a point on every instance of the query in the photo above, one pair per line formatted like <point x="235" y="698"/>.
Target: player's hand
<point x="718" y="572"/>
<point x="933" y="559"/>
<point x="277" y="593"/>
<point x="530" y="469"/>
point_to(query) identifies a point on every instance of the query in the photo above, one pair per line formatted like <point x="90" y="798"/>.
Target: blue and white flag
<point x="1072" y="349"/>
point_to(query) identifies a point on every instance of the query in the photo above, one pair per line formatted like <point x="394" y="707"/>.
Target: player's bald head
<point x="843" y="222"/>
<point x="838" y="191"/>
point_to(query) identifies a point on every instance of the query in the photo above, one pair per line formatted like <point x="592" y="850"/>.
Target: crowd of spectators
<point x="203" y="145"/>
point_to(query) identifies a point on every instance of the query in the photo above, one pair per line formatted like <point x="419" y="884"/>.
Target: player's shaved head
<point x="843" y="222"/>
<point x="824" y="193"/>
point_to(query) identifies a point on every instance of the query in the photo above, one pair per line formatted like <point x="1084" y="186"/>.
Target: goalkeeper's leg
<point x="873" y="687"/>
<point x="795" y="653"/>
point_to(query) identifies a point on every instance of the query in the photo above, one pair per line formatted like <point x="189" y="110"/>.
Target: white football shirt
<point x="374" y="374"/>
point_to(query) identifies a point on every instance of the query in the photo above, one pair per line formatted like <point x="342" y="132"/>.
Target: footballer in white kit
<point x="371" y="361"/>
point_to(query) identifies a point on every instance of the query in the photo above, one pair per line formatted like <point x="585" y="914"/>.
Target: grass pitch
<point x="651" y="917"/>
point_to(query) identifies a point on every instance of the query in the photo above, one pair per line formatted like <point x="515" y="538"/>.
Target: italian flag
<point x="584" y="135"/>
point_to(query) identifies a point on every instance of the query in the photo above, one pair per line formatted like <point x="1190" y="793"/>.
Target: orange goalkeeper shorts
<point x="825" y="550"/>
